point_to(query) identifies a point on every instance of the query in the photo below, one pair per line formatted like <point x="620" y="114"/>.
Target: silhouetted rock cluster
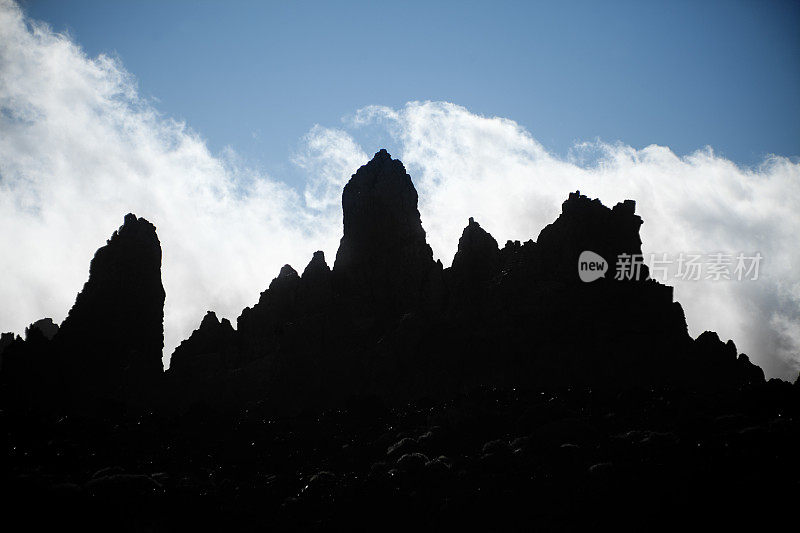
<point x="208" y="348"/>
<point x="389" y="392"/>
<point x="388" y="320"/>
<point x="45" y="326"/>
<point x="109" y="346"/>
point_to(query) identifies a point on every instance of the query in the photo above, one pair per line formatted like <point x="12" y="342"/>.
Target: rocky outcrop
<point x="109" y="346"/>
<point x="478" y="257"/>
<point x="45" y="326"/>
<point x="526" y="382"/>
<point x="316" y="285"/>
<point x="261" y="328"/>
<point x="210" y="348"/>
<point x="112" y="339"/>
<point x="284" y="347"/>
<point x="26" y="361"/>
<point x="387" y="321"/>
<point x="384" y="264"/>
<point x="586" y="224"/>
<point x="5" y="341"/>
<point x="720" y="362"/>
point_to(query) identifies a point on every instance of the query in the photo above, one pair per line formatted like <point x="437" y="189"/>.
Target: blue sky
<point x="257" y="75"/>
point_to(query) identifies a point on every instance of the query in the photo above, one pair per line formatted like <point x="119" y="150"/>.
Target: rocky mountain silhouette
<point x="46" y="327"/>
<point x="389" y="392"/>
<point x="389" y="321"/>
<point x="110" y="344"/>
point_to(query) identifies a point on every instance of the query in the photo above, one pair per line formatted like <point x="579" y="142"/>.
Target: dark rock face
<point x="389" y="322"/>
<point x="538" y="400"/>
<point x="261" y="326"/>
<point x="6" y="339"/>
<point x="478" y="257"/>
<point x="384" y="262"/>
<point x="586" y="224"/>
<point x="45" y="326"/>
<point x="36" y="342"/>
<point x="109" y="346"/>
<point x="312" y="338"/>
<point x="316" y="288"/>
<point x="113" y="336"/>
<point x="210" y="347"/>
<point x="722" y="358"/>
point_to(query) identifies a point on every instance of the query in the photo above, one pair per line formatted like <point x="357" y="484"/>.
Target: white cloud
<point x="329" y="157"/>
<point x="80" y="148"/>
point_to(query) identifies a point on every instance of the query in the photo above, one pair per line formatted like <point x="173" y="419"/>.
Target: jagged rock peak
<point x="117" y="319"/>
<point x="209" y="320"/>
<point x="477" y="251"/>
<point x="576" y="200"/>
<point x="382" y="154"/>
<point x="134" y="227"/>
<point x="287" y="280"/>
<point x="282" y="287"/>
<point x="212" y="323"/>
<point x="577" y="203"/>
<point x="587" y="225"/>
<point x="5" y="340"/>
<point x="474" y="229"/>
<point x="287" y="272"/>
<point x="317" y="264"/>
<point x="46" y="327"/>
<point x="211" y="337"/>
<point x="130" y="256"/>
<point x="379" y="205"/>
<point x="383" y="254"/>
<point x="627" y="207"/>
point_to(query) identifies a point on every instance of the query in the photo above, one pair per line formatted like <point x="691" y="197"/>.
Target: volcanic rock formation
<point x="46" y="327"/>
<point x="114" y="334"/>
<point x="390" y="388"/>
<point x="208" y="348"/>
<point x="389" y="321"/>
<point x="110" y="344"/>
<point x="384" y="264"/>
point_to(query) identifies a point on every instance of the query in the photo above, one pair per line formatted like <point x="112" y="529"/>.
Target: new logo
<point x="591" y="266"/>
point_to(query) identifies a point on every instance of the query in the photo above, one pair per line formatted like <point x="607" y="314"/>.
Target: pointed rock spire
<point x="316" y="266"/>
<point x="316" y="287"/>
<point x="383" y="257"/>
<point x="478" y="256"/>
<point x="205" y="349"/>
<point x="113" y="336"/>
